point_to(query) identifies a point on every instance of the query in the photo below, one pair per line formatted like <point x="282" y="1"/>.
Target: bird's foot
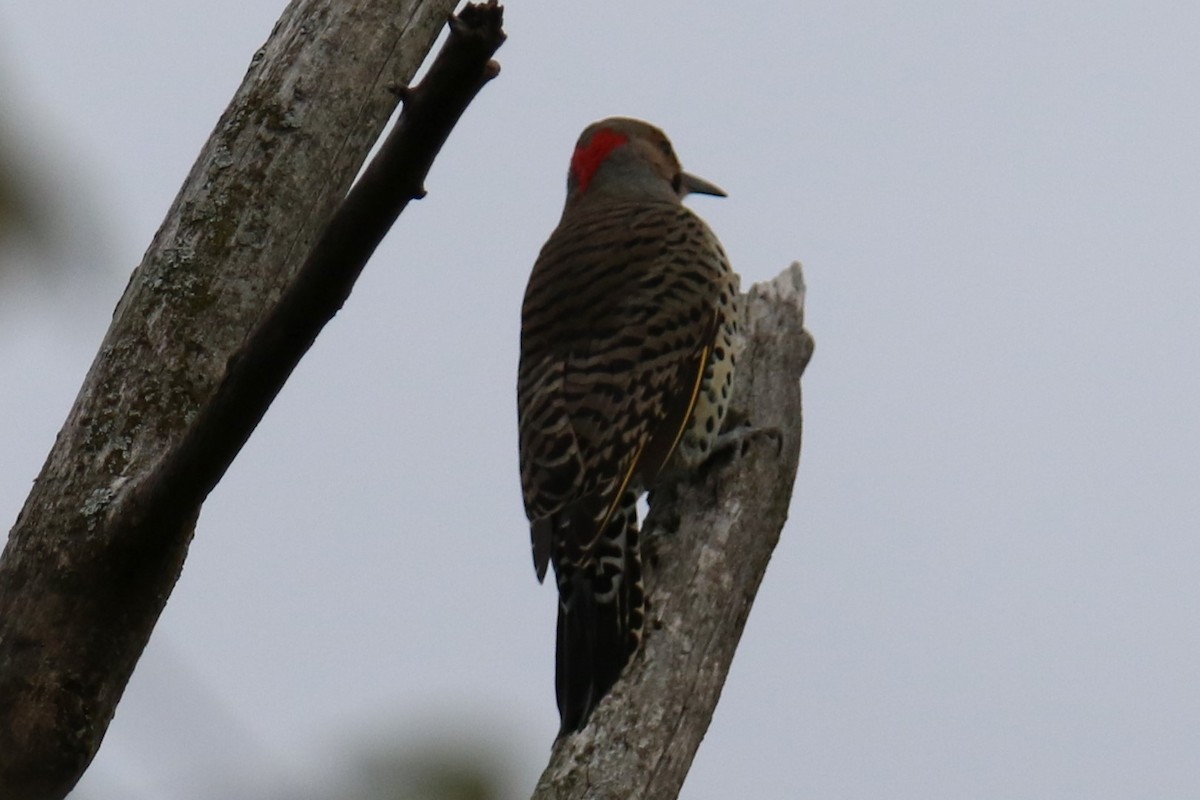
<point x="735" y="442"/>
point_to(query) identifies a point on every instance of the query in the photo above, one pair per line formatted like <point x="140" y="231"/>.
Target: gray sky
<point x="987" y="586"/>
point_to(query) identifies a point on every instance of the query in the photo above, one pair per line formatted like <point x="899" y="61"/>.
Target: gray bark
<point x="80" y="592"/>
<point x="711" y="536"/>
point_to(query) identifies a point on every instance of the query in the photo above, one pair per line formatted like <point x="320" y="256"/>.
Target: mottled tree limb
<point x="712" y="537"/>
<point x="230" y="294"/>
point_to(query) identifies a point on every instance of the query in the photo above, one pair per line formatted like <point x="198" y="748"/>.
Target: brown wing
<point x="618" y="320"/>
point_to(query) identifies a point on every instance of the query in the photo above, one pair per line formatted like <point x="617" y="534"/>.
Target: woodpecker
<point x="626" y="367"/>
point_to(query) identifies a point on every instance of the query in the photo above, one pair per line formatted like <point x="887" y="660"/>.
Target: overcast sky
<point x="987" y="584"/>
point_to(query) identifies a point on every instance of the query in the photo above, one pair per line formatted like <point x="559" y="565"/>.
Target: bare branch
<point x="258" y="369"/>
<point x="713" y="537"/>
<point x="211" y="324"/>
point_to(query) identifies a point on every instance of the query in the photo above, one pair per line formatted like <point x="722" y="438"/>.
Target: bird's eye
<point x="665" y="147"/>
<point x="677" y="184"/>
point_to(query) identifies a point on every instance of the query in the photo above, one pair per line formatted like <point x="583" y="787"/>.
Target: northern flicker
<point x="626" y="362"/>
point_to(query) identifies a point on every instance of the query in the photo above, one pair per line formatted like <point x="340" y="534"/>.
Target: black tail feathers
<point x="600" y="617"/>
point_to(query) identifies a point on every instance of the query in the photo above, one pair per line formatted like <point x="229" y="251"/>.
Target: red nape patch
<point x="589" y="157"/>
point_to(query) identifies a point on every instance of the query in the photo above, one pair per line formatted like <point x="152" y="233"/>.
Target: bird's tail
<point x="601" y="610"/>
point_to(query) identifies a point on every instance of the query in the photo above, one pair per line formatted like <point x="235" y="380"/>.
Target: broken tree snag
<point x="710" y="540"/>
<point x="222" y="306"/>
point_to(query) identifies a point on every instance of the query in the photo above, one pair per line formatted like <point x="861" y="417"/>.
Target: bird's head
<point x="626" y="159"/>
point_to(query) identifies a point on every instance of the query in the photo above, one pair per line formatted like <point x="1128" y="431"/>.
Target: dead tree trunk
<point x="711" y="539"/>
<point x="249" y="264"/>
